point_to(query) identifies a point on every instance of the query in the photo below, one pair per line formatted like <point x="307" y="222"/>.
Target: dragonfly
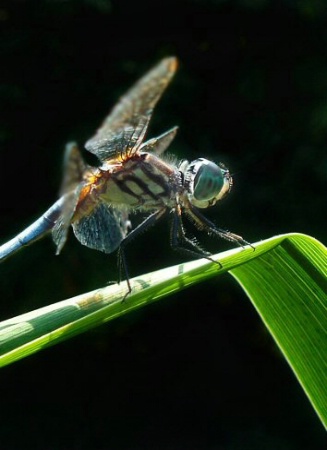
<point x="133" y="175"/>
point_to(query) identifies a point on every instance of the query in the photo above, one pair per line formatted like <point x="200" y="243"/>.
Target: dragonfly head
<point x="206" y="182"/>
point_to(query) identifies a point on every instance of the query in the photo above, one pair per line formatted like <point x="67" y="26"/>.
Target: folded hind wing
<point x="102" y="230"/>
<point x="74" y="168"/>
<point x="71" y="186"/>
<point x="61" y="227"/>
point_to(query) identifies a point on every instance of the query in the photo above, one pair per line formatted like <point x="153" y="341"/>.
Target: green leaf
<point x="285" y="279"/>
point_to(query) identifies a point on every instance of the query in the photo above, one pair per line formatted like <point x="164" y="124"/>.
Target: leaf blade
<point x="285" y="279"/>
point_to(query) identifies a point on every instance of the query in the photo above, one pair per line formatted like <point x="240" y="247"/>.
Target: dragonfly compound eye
<point x="207" y="182"/>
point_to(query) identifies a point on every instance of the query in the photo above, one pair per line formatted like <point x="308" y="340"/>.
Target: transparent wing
<point x="61" y="227"/>
<point x="102" y="230"/>
<point x="71" y="186"/>
<point x="124" y="128"/>
<point x="74" y="168"/>
<point x="159" y="144"/>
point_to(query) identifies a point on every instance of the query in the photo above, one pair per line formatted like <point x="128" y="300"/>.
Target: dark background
<point x="197" y="370"/>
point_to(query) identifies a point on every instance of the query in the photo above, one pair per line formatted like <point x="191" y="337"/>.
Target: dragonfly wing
<point x="104" y="229"/>
<point x="124" y="128"/>
<point x="71" y="186"/>
<point x="74" y="168"/>
<point x="159" y="144"/>
<point x="61" y="227"/>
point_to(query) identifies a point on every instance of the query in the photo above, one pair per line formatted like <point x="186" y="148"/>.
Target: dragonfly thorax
<point x="205" y="182"/>
<point x="143" y="182"/>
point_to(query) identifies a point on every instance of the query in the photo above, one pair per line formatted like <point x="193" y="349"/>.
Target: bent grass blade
<point x="285" y="279"/>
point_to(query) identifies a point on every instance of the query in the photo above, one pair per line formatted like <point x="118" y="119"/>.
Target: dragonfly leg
<point x="202" y="223"/>
<point x="122" y="263"/>
<point x="179" y="241"/>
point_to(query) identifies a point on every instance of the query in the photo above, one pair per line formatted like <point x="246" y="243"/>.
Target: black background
<point x="198" y="370"/>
